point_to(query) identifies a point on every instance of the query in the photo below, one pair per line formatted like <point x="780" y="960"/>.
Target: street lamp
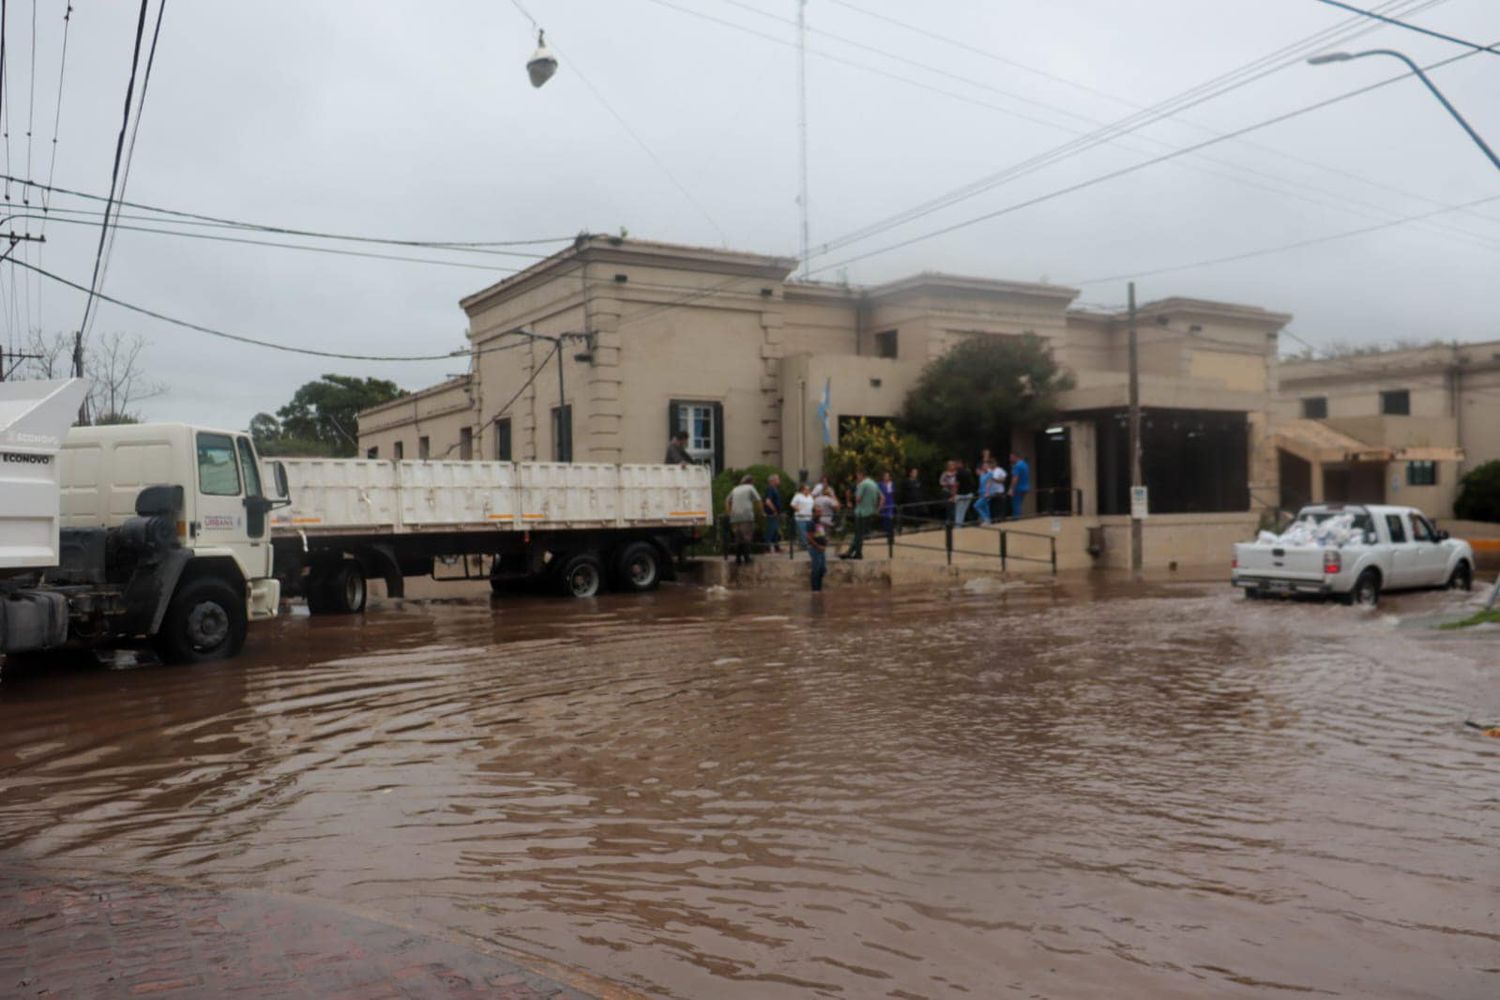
<point x="542" y="63"/>
<point x="1333" y="57"/>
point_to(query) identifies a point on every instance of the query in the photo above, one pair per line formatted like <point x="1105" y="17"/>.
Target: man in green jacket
<point x="866" y="505"/>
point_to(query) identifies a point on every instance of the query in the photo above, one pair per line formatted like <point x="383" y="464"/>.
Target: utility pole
<point x="1135" y="440"/>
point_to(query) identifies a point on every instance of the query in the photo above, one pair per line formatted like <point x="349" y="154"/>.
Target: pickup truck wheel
<point x="638" y="568"/>
<point x="1462" y="578"/>
<point x="205" y="621"/>
<point x="1366" y="592"/>
<point x="580" y="575"/>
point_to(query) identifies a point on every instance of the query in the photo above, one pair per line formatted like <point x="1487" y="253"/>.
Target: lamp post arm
<point x="1417" y="71"/>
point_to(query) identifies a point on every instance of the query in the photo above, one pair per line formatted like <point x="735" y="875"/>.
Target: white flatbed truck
<point x="578" y="528"/>
<point x="182" y="535"/>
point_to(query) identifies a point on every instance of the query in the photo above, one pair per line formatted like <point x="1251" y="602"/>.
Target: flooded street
<point x="1162" y="791"/>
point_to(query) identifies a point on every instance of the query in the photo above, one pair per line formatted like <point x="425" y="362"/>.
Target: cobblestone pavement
<point x="88" y="937"/>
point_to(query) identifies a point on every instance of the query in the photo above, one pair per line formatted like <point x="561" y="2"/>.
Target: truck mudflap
<point x="32" y="620"/>
<point x="265" y="598"/>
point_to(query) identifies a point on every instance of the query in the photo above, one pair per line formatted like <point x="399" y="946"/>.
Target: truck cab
<point x="222" y="530"/>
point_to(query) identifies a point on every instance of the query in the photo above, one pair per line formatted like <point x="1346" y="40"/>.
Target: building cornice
<point x="457" y="382"/>
<point x="639" y="253"/>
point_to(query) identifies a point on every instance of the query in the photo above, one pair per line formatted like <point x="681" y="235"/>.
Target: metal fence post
<point x="1002" y="550"/>
<point x="1053" y="540"/>
<point x="948" y="540"/>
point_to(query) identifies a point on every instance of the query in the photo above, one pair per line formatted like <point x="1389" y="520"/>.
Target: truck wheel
<point x="580" y="575"/>
<point x="205" y="621"/>
<point x="1462" y="578"/>
<point x="344" y="591"/>
<point x="1366" y="592"/>
<point x="638" y="568"/>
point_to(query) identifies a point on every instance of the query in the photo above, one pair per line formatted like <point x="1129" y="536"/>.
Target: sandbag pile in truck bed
<point x="1334" y="532"/>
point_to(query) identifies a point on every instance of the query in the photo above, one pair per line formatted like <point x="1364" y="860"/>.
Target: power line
<point x="1107" y="95"/>
<point x="253" y="341"/>
<point x="140" y="31"/>
<point x="1266" y="251"/>
<point x="1113" y="174"/>
<point x="1257" y="69"/>
<point x="475" y="246"/>
<point x="116" y="226"/>
<point x="1083" y="140"/>
<point x="135" y="131"/>
<point x="1412" y="27"/>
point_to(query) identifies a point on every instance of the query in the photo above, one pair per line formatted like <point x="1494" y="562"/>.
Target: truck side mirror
<point x="278" y="472"/>
<point x="1442" y="536"/>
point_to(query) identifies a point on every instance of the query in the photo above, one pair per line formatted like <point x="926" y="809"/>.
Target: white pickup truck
<point x="1388" y="548"/>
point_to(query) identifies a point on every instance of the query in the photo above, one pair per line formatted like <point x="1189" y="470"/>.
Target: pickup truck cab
<point x="1362" y="550"/>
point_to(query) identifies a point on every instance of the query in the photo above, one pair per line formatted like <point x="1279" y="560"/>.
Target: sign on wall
<point x="1139" y="503"/>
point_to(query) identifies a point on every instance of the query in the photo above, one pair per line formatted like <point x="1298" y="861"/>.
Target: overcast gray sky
<point x="417" y="121"/>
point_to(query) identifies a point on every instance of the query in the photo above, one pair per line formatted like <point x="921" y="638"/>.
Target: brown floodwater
<point x="1089" y="790"/>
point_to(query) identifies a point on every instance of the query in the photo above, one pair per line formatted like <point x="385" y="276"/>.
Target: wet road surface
<point x="1087" y="790"/>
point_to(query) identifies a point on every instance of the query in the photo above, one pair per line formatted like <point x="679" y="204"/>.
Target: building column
<point x="1083" y="461"/>
<point x="771" y="352"/>
<point x="1315" y="481"/>
<point x="603" y="423"/>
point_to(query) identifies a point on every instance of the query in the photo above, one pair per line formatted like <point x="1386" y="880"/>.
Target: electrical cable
<point x="254" y="341"/>
<point x="286" y="231"/>
<point x="1266" y="251"/>
<point x="271" y="243"/>
<point x="140" y="31"/>
<point x="1288" y="55"/>
<point x="135" y="131"/>
<point x="1492" y="50"/>
<point x="1113" y="174"/>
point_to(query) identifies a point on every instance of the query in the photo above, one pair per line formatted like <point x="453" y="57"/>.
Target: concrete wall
<point x="1186" y="539"/>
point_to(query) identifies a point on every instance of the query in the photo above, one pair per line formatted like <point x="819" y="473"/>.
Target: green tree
<point x="1479" y="494"/>
<point x="971" y="397"/>
<point x="876" y="448"/>
<point x="323" y="415"/>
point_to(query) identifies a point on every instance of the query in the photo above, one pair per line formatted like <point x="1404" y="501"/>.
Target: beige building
<point x="1393" y="427"/>
<point x="727" y="346"/>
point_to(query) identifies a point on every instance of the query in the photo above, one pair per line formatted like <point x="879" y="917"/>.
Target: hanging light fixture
<point x="542" y="63"/>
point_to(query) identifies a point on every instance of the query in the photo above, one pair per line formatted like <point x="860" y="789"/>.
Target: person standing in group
<point x="967" y="487"/>
<point x="1020" y="483"/>
<point x="741" y="505"/>
<point x="677" y="453"/>
<point x="772" y="504"/>
<point x="993" y="491"/>
<point x="866" y="505"/>
<point x="949" y="483"/>
<point x="887" y="504"/>
<point x="982" y="504"/>
<point x="826" y="504"/>
<point x="817" y="548"/>
<point x="802" y="503"/>
<point x="912" y="500"/>
<point x="822" y="487"/>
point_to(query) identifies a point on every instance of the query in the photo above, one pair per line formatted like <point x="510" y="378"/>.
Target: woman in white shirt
<point x="802" y="512"/>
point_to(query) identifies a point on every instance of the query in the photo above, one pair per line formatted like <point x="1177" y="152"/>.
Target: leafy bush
<point x="876" y="448"/>
<point x="1479" y="494"/>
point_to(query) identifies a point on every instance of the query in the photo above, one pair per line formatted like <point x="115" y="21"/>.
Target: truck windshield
<point x="218" y="473"/>
<point x="252" y="469"/>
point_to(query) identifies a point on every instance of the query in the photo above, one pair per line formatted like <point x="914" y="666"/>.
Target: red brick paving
<point x="91" y="937"/>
